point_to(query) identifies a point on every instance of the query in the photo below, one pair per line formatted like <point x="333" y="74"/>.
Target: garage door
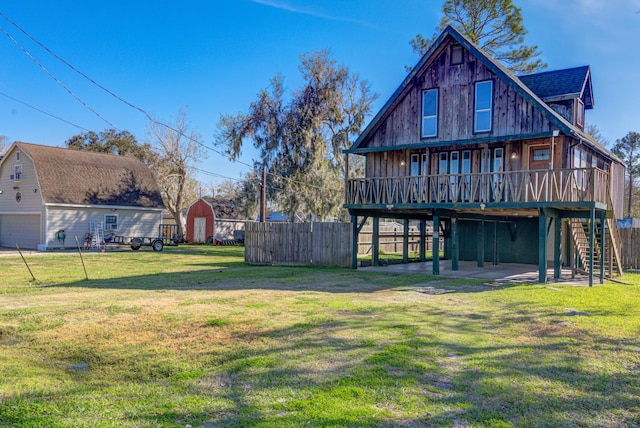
<point x="23" y="230"/>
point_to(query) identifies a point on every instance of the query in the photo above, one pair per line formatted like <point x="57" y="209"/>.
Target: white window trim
<point x="476" y="110"/>
<point x="17" y="176"/>
<point x="106" y="224"/>
<point x="433" y="116"/>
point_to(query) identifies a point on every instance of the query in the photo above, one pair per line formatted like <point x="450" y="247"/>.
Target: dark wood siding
<point x="512" y="114"/>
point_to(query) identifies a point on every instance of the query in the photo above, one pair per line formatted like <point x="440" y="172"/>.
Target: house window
<point x="17" y="172"/>
<point x="415" y="164"/>
<point x="456" y="54"/>
<point x="580" y="113"/>
<point x="18" y="155"/>
<point x="483" y="106"/>
<point x="498" y="160"/>
<point x="541" y="154"/>
<point x="430" y="113"/>
<point x="111" y="222"/>
<point x="443" y="164"/>
<point x="579" y="162"/>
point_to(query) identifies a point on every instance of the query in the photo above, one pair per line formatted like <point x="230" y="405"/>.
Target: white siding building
<point x="45" y="189"/>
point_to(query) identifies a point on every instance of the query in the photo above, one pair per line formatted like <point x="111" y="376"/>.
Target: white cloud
<point x="290" y="7"/>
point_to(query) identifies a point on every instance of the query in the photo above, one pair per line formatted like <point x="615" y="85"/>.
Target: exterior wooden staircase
<point x="612" y="245"/>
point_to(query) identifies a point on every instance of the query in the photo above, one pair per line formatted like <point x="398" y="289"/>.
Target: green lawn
<point x="193" y="336"/>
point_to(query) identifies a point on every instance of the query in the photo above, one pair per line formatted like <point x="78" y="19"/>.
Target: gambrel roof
<point x="508" y="77"/>
<point x="561" y="85"/>
<point x="78" y="177"/>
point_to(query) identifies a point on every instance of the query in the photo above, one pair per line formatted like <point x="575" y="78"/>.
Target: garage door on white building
<point x="23" y="230"/>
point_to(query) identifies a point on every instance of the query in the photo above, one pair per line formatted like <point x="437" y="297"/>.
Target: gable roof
<point x="78" y="177"/>
<point x="224" y="208"/>
<point x="499" y="70"/>
<point x="561" y="85"/>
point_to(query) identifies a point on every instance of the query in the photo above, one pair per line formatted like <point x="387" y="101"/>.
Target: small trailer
<point x="135" y="242"/>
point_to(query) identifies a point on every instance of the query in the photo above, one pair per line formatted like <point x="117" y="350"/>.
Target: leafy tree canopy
<point x="301" y="137"/>
<point x="112" y="141"/>
<point x="496" y="26"/>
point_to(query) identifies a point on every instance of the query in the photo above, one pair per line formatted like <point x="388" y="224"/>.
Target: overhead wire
<point x="55" y="79"/>
<point x="42" y="111"/>
<point x="131" y="105"/>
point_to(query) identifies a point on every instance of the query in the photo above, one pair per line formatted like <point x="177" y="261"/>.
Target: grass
<point x="194" y="336"/>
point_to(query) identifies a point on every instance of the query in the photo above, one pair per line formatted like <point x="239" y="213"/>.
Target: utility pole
<point x="263" y="196"/>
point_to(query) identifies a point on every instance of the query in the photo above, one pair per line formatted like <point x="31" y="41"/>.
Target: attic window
<point x="483" y="106"/>
<point x="18" y="155"/>
<point x="580" y="113"/>
<point x="430" y="113"/>
<point x="456" y="54"/>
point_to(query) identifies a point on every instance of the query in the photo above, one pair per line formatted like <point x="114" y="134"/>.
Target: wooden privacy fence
<point x="391" y="240"/>
<point x="630" y="248"/>
<point x="320" y="244"/>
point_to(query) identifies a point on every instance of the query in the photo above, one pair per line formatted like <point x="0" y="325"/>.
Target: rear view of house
<point x="500" y="163"/>
<point x="49" y="195"/>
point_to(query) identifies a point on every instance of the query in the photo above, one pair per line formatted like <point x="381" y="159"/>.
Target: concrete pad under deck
<point x="502" y="273"/>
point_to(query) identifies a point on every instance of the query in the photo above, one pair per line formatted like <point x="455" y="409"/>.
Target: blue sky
<point x="214" y="57"/>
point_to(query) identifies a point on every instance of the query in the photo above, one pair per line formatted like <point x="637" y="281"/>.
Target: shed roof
<point x="559" y="85"/>
<point x="86" y="178"/>
<point x="225" y="208"/>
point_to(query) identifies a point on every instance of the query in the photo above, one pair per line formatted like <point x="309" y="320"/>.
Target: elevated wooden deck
<point x="528" y="189"/>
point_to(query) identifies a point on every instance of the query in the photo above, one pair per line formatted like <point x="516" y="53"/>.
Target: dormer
<point x="568" y="92"/>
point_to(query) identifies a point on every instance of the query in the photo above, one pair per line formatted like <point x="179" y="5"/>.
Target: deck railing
<point x="558" y="185"/>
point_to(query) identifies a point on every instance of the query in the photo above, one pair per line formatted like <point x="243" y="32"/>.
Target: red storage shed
<point x="200" y="221"/>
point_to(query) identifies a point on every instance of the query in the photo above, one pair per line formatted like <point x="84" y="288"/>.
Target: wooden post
<point x="354" y="242"/>
<point x="542" y="246"/>
<point x="495" y="243"/>
<point x="375" y="250"/>
<point x="557" y="247"/>
<point x="405" y="242"/>
<point x="592" y="220"/>
<point x="346" y="178"/>
<point x="263" y="196"/>
<point x="436" y="244"/>
<point x="602" y="245"/>
<point x="423" y="240"/>
<point x="481" y="244"/>
<point x="454" y="244"/>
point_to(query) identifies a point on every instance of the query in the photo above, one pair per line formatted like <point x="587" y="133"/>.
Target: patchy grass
<point x="194" y="336"/>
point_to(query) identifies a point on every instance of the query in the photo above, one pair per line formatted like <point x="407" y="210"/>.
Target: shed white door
<point x="199" y="229"/>
<point x="23" y="230"/>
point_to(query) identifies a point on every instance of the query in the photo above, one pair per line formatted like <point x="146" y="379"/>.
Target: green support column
<point x="436" y="244"/>
<point x="354" y="242"/>
<point x="454" y="244"/>
<point x="481" y="244"/>
<point x="495" y="243"/>
<point x="557" y="247"/>
<point x="405" y="242"/>
<point x="602" y="245"/>
<point x="592" y="241"/>
<point x="375" y="251"/>
<point x="542" y="247"/>
<point x="423" y="240"/>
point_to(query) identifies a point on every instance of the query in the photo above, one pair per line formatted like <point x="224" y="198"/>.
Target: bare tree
<point x="177" y="151"/>
<point x="4" y="145"/>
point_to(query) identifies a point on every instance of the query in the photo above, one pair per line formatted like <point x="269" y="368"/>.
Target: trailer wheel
<point x="157" y="245"/>
<point x="136" y="243"/>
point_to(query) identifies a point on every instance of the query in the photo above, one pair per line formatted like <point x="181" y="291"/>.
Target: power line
<point x="55" y="79"/>
<point x="131" y="105"/>
<point x="43" y="111"/>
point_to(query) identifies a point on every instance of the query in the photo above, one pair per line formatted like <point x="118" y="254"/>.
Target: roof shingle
<point x="86" y="178"/>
